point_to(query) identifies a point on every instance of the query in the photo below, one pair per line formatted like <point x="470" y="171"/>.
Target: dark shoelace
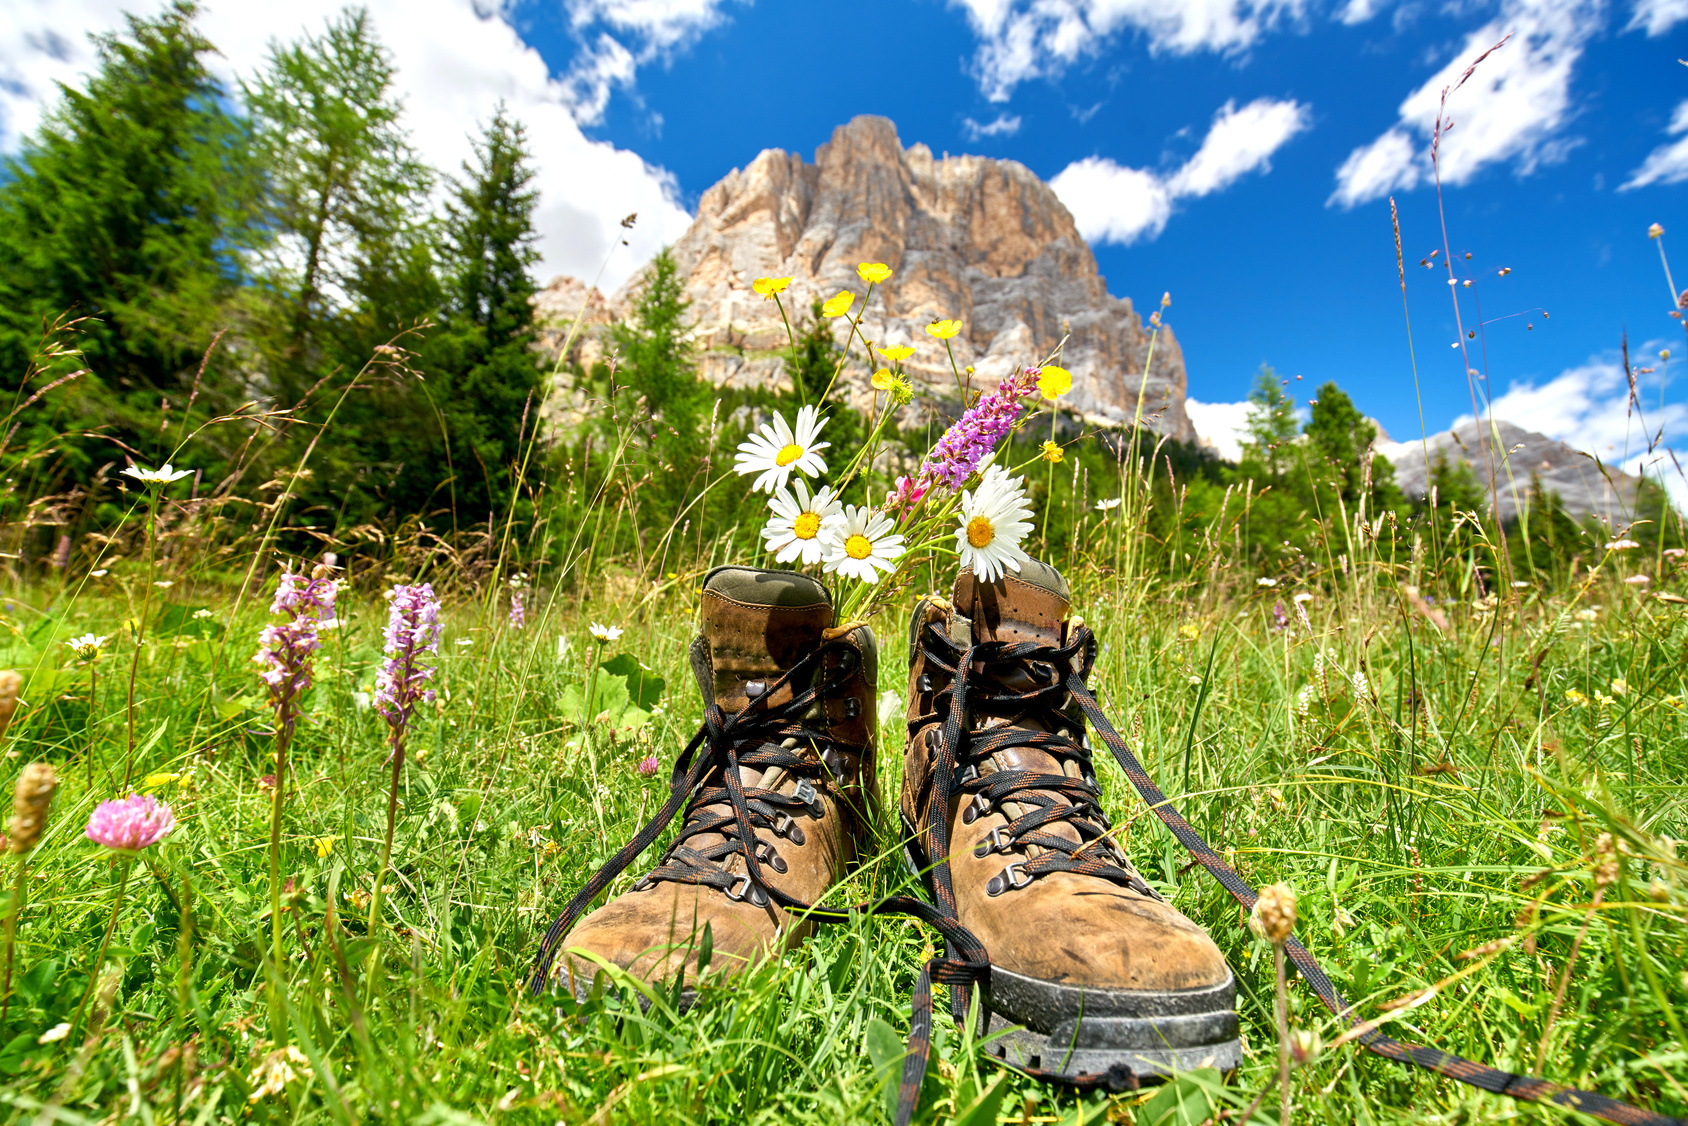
<point x="753" y="737"/>
<point x="1065" y="670"/>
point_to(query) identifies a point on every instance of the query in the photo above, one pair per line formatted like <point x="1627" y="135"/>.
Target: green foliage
<point x="1271" y="423"/>
<point x="132" y="206"/>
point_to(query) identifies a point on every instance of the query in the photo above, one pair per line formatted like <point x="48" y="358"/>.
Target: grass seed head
<point x="1273" y="917"/>
<point x="31" y="800"/>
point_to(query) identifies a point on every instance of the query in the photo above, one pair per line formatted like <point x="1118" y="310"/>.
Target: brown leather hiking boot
<point x="789" y="725"/>
<point x="1091" y="970"/>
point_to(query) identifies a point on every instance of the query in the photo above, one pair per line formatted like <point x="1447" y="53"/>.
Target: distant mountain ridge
<point x="980" y="240"/>
<point x="1584" y="487"/>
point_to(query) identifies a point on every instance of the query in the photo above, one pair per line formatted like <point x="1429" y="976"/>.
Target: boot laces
<point x="1026" y="689"/>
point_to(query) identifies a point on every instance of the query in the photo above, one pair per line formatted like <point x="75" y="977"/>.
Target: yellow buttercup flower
<point x="1053" y="382"/>
<point x="943" y="330"/>
<point x="873" y="272"/>
<point x="154" y="781"/>
<point x="324" y="846"/>
<point x="838" y="306"/>
<point x="1049" y="451"/>
<point x="767" y="287"/>
<point x="900" y="352"/>
<point x="883" y="380"/>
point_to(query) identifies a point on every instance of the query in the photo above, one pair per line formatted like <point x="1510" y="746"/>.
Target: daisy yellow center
<point x="858" y="547"/>
<point x="980" y="532"/>
<point x="805" y="526"/>
<point x="788" y="455"/>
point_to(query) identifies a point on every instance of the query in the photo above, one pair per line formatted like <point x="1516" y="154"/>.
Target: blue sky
<point x="1237" y="153"/>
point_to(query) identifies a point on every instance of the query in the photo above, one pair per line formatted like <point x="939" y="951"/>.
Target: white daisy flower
<point x="87" y="646"/>
<point x="1108" y="504"/>
<point x="775" y="450"/>
<point x="994" y="518"/>
<point x="860" y="544"/>
<point x="795" y="529"/>
<point x="604" y="633"/>
<point x="1622" y="545"/>
<point x="162" y="476"/>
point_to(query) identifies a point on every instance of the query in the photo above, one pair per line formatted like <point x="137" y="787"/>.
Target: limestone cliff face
<point x="981" y="240"/>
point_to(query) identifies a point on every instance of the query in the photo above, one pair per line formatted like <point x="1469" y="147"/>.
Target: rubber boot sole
<point x="1072" y="1030"/>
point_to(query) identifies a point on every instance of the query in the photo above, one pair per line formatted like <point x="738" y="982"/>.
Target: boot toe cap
<point x="657" y="933"/>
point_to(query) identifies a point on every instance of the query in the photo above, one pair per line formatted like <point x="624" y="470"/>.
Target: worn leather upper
<point x="756" y="625"/>
<point x="1061" y="927"/>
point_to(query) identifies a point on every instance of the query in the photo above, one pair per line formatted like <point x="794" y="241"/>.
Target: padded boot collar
<point x="756" y="624"/>
<point x="1027" y="605"/>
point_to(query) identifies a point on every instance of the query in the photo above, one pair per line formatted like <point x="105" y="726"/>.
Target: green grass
<point x="1454" y="800"/>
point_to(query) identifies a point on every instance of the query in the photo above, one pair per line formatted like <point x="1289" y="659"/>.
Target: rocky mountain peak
<point x="980" y="240"/>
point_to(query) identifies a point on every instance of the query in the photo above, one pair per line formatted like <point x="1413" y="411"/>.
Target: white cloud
<point x="1003" y="126"/>
<point x="1657" y="16"/>
<point x="1667" y="164"/>
<point x="1588" y="408"/>
<point x="1026" y="39"/>
<point x="1114" y="203"/>
<point x="1359" y="11"/>
<point x="1515" y="107"/>
<point x="453" y="66"/>
<point x="1224" y="426"/>
<point x="1376" y="169"/>
<point x="628" y="34"/>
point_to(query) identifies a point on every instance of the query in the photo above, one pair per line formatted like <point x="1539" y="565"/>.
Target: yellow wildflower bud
<point x="899" y="353"/>
<point x="767" y="287"/>
<point x="883" y="380"/>
<point x="873" y="272"/>
<point x="1053" y="382"/>
<point x="1654" y="231"/>
<point x="838" y="306"/>
<point x="1050" y="451"/>
<point x="943" y="330"/>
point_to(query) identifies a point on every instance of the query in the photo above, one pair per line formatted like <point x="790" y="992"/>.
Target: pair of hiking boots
<point x="1090" y="972"/>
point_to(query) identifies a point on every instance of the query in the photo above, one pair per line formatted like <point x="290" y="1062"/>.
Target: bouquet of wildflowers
<point x="958" y="502"/>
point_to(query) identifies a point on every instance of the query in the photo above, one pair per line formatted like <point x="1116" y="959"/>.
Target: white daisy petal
<point x="993" y="519"/>
<point x="800" y="519"/>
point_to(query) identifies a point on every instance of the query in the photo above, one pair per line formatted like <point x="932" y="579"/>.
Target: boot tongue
<point x="1025" y="605"/>
<point x="756" y="625"/>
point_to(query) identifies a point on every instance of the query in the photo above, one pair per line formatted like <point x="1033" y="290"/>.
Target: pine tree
<point x="132" y="206"/>
<point x="1271" y="423"/>
<point x="655" y="349"/>
<point x="485" y="374"/>
<point x="347" y="199"/>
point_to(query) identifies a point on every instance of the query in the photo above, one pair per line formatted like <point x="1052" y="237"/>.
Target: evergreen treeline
<point x="229" y="263"/>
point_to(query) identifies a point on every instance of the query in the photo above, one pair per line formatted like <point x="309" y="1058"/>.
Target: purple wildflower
<point x="648" y="765"/>
<point x="976" y="433"/>
<point x="413" y="629"/>
<point x="130" y="824"/>
<point x="1280" y="620"/>
<point x="518" y="612"/>
<point x="284" y="650"/>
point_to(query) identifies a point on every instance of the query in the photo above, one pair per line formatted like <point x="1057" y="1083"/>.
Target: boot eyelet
<point x="766" y="854"/>
<point x="852" y="708"/>
<point x="755" y="689"/>
<point x="995" y="841"/>
<point x="642" y="883"/>
<point x="924" y="683"/>
<point x="980" y="806"/>
<point x="1012" y="876"/>
<point x="790" y="830"/>
<point x="805" y="792"/>
<point x="746" y="888"/>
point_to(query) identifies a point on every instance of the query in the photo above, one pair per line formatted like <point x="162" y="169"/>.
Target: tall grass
<point x="1429" y="764"/>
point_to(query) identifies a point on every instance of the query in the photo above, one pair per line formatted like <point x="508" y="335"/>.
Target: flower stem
<point x="13" y="910"/>
<point x="277" y="795"/>
<point x="796" y="374"/>
<point x="960" y="389"/>
<point x="375" y="895"/>
<point x="1282" y="1009"/>
<point x="127" y="863"/>
<point x="140" y="634"/>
